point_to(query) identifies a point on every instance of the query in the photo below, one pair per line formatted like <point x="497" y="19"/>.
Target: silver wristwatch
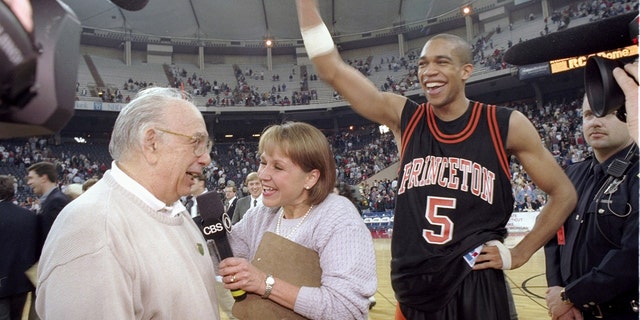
<point x="269" y="282"/>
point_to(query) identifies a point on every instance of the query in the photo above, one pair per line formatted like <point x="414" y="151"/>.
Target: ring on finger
<point x="233" y="278"/>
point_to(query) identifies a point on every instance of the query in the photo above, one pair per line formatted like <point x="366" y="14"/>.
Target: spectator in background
<point x="88" y="184"/>
<point x="128" y="249"/>
<point x="18" y="251"/>
<point x="72" y="191"/>
<point x="253" y="200"/>
<point x="42" y="177"/>
<point x="530" y="205"/>
<point x="197" y="188"/>
<point x="230" y="199"/>
<point x="348" y="192"/>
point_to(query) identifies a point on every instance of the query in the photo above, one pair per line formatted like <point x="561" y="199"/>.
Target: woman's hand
<point x="239" y="273"/>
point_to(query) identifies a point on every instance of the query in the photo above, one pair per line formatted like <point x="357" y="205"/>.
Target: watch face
<point x="270" y="280"/>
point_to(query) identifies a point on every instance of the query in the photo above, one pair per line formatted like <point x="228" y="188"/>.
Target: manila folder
<point x="285" y="260"/>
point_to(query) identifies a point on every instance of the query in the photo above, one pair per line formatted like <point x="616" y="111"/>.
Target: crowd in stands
<point x="117" y="95"/>
<point x="75" y="166"/>
<point x="359" y="153"/>
<point x="244" y="93"/>
<point x="220" y="93"/>
<point x="596" y="10"/>
<point x="488" y="51"/>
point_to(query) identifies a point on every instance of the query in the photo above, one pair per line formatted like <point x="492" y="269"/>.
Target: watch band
<point x="563" y="297"/>
<point x="268" y="282"/>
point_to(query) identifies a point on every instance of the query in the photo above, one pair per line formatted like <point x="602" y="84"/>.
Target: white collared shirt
<point x="194" y="209"/>
<point x="258" y="203"/>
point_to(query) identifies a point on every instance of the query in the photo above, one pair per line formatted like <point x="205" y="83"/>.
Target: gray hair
<point x="146" y="110"/>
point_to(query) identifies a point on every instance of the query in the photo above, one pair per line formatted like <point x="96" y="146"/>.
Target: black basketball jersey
<point x="454" y="194"/>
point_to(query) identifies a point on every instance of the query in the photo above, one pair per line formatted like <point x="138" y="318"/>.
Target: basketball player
<point x="454" y="194"/>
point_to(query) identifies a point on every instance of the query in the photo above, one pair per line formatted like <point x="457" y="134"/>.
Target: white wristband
<point x="505" y="253"/>
<point x="317" y="40"/>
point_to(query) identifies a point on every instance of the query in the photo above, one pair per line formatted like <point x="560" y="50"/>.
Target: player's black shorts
<point x="482" y="295"/>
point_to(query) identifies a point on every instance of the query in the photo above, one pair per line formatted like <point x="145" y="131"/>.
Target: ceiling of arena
<point x="246" y="20"/>
<point x="253" y="19"/>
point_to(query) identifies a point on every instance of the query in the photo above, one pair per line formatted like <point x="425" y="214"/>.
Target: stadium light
<point x="466" y="10"/>
<point x="268" y="42"/>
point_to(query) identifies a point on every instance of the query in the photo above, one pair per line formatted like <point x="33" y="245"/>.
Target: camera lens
<point x="602" y="90"/>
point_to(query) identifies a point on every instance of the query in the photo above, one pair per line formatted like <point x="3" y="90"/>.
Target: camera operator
<point x="627" y="79"/>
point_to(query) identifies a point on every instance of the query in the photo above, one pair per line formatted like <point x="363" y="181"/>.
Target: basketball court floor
<point x="528" y="284"/>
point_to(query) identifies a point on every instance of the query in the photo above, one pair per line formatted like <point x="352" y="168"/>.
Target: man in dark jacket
<point x="42" y="177"/>
<point x="18" y="246"/>
<point x="592" y="265"/>
<point x="230" y="200"/>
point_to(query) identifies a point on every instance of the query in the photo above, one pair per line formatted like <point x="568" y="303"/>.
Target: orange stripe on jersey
<point x="498" y="145"/>
<point x="399" y="315"/>
<point x="460" y="136"/>
<point x="411" y="126"/>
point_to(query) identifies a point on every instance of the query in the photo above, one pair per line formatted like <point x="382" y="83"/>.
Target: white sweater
<point x="110" y="256"/>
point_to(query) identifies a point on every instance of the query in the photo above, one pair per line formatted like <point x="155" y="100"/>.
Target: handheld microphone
<point x="215" y="225"/>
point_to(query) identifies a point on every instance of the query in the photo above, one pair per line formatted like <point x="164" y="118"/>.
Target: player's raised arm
<point x="362" y="94"/>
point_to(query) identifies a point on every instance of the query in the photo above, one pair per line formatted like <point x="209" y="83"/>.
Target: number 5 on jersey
<point x="446" y="225"/>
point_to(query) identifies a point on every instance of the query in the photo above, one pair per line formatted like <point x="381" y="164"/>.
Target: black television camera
<point x="38" y="71"/>
<point x="603" y="92"/>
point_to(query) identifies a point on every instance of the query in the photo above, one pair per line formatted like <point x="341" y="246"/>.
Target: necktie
<point x="598" y="172"/>
<point x="255" y="203"/>
<point x="189" y="204"/>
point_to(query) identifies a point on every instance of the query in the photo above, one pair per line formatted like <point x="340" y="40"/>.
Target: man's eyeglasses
<point x="202" y="143"/>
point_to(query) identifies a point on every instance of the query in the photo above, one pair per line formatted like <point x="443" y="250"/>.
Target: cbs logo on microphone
<point x="225" y="224"/>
